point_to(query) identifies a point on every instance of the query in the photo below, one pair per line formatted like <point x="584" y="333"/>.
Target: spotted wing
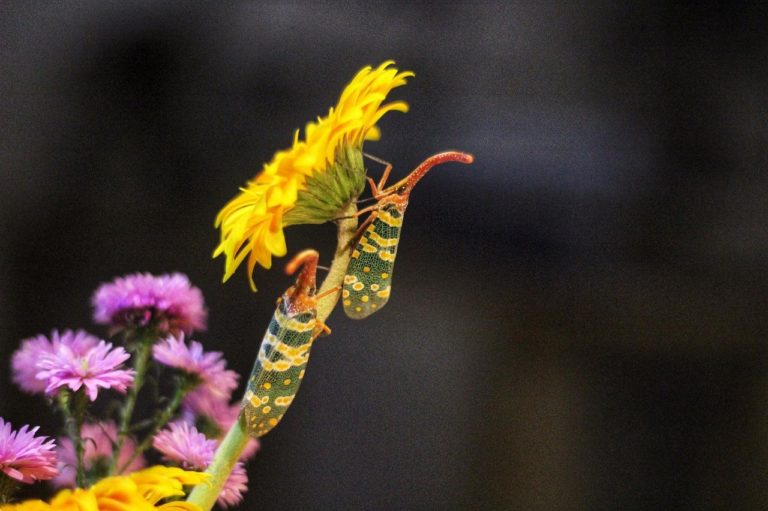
<point x="367" y="282"/>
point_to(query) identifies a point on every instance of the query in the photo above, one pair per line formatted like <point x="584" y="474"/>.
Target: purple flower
<point x="185" y="445"/>
<point x="25" y="359"/>
<point x="216" y="382"/>
<point x="165" y="303"/>
<point x="25" y="457"/>
<point x="97" y="367"/>
<point x="98" y="439"/>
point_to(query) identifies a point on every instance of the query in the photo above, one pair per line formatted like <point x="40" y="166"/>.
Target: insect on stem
<point x="367" y="283"/>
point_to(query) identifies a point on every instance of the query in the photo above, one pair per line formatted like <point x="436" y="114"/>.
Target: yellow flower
<point x="160" y="482"/>
<point x="311" y="181"/>
<point x="139" y="491"/>
<point x="27" y="505"/>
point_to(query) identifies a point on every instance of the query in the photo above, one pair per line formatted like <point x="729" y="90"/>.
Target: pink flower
<point x="25" y="457"/>
<point x="165" y="303"/>
<point x="185" y="445"/>
<point x="98" y="439"/>
<point x="216" y="382"/>
<point x="25" y="359"/>
<point x="97" y="367"/>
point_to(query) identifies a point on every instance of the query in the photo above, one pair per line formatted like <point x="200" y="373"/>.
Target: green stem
<point x="140" y="360"/>
<point x="81" y="403"/>
<point x="73" y="408"/>
<point x="184" y="385"/>
<point x="205" y="495"/>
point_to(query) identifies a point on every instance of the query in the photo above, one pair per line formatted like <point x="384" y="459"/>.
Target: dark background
<point x="578" y="320"/>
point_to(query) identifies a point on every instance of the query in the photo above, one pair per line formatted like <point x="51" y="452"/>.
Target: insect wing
<point x="278" y="370"/>
<point x="367" y="284"/>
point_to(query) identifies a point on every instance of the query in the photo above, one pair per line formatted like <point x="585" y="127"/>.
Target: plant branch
<point x="140" y="360"/>
<point x="183" y="385"/>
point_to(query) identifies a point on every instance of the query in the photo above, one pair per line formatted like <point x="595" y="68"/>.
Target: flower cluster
<point x="311" y="181"/>
<point x="75" y="367"/>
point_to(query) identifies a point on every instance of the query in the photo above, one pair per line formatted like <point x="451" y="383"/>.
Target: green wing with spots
<point x="369" y="275"/>
<point x="278" y="370"/>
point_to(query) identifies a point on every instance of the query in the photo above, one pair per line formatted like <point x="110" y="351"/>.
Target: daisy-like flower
<point x="165" y="303"/>
<point x="25" y="457"/>
<point x="314" y="179"/>
<point x="98" y="439"/>
<point x="184" y="444"/>
<point x="25" y="359"/>
<point x="97" y="368"/>
<point x="216" y="381"/>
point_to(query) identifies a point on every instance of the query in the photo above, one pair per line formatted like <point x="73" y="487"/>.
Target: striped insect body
<point x="367" y="283"/>
<point x="284" y="350"/>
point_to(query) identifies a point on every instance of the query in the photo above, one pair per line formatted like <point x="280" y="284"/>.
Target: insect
<point x="284" y="350"/>
<point x="367" y="283"/>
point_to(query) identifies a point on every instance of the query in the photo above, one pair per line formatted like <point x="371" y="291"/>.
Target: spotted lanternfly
<point x="367" y="283"/>
<point x="284" y="351"/>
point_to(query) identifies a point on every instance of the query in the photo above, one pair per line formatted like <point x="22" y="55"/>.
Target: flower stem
<point x="183" y="386"/>
<point x="73" y="408"/>
<point x="205" y="495"/>
<point x="140" y="359"/>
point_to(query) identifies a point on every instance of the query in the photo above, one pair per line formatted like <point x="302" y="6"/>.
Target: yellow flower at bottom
<point x="311" y="181"/>
<point x="160" y="482"/>
<point x="27" y="505"/>
<point x="139" y="491"/>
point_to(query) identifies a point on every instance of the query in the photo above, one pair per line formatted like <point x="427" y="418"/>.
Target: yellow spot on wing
<point x="364" y="298"/>
<point x="283" y="400"/>
<point x="266" y="409"/>
<point x="358" y="286"/>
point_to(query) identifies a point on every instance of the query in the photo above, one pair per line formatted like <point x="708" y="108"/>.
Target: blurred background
<point x="578" y="319"/>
